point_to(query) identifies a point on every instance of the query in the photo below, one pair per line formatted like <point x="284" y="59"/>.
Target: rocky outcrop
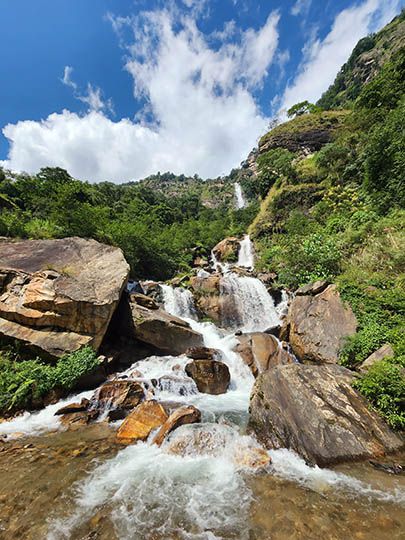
<point x="385" y="351"/>
<point x="203" y="353"/>
<point x="261" y="351"/>
<point x="314" y="411"/>
<point x="227" y="250"/>
<point x="118" y="394"/>
<point x="59" y="295"/>
<point x="155" y="327"/>
<point x="318" y="325"/>
<point x="140" y="422"/>
<point x="180" y="417"/>
<point x="313" y="288"/>
<point x="210" y="376"/>
<point x="207" y="296"/>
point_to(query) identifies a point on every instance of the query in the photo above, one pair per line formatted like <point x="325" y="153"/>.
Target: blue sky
<point x="119" y="89"/>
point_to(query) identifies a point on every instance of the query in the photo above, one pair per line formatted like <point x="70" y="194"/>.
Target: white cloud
<point x="301" y="7"/>
<point x="66" y="79"/>
<point x="323" y="59"/>
<point x="92" y="97"/>
<point x="206" y="119"/>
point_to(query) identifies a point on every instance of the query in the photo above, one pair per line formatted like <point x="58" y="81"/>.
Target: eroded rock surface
<point x="59" y="295"/>
<point x="180" y="417"/>
<point x="314" y="411"/>
<point x="227" y="249"/>
<point x="140" y="422"/>
<point x="385" y="351"/>
<point x="210" y="376"/>
<point x="318" y="325"/>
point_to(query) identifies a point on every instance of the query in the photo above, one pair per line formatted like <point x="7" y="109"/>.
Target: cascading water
<point x="246" y="253"/>
<point x="240" y="199"/>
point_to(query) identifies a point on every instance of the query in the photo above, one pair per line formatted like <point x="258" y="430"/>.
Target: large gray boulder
<point x="318" y="325"/>
<point x="314" y="411"/>
<point x="58" y="295"/>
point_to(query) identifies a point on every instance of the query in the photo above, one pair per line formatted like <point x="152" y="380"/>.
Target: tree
<point x="299" y="109"/>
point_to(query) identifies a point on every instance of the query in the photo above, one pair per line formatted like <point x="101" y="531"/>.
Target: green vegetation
<point x="26" y="381"/>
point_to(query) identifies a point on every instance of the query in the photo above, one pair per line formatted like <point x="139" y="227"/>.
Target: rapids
<point x="204" y="491"/>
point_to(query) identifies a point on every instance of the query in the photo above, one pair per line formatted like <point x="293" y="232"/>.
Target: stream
<point x="81" y="484"/>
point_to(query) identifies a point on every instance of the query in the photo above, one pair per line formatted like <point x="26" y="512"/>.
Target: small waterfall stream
<point x="240" y="199"/>
<point x="206" y="492"/>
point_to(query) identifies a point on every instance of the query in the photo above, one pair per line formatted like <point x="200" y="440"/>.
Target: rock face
<point x="180" y="417"/>
<point x="119" y="394"/>
<point x="315" y="411"/>
<point x="227" y="249"/>
<point x="137" y="425"/>
<point x="158" y="328"/>
<point x="312" y="288"/>
<point x="203" y="353"/>
<point x="210" y="376"/>
<point x="59" y="295"/>
<point x="383" y="352"/>
<point x="318" y="325"/>
<point x="261" y="351"/>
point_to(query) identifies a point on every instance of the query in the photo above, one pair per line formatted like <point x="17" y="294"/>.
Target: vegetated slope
<point x="337" y="212"/>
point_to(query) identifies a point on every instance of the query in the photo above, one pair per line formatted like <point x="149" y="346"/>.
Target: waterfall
<point x="240" y="199"/>
<point x="246" y="253"/>
<point x="179" y="302"/>
<point x="251" y="308"/>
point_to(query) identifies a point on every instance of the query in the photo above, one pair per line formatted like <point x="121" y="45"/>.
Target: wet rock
<point x="210" y="376"/>
<point x="385" y="351"/>
<point x="152" y="290"/>
<point x="313" y="288"/>
<point x="140" y="422"/>
<point x="227" y="249"/>
<point x="156" y="327"/>
<point x="203" y="353"/>
<point x="274" y="331"/>
<point x="201" y="263"/>
<point x="185" y="415"/>
<point x="204" y="285"/>
<point x="144" y="301"/>
<point x="251" y="457"/>
<point x="74" y="407"/>
<point x="78" y="418"/>
<point x="314" y="411"/>
<point x="118" y="394"/>
<point x="268" y="278"/>
<point x="318" y="325"/>
<point x="261" y="351"/>
<point x="59" y="295"/>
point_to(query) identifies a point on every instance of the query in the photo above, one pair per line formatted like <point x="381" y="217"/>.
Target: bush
<point x="22" y="381"/>
<point x="384" y="386"/>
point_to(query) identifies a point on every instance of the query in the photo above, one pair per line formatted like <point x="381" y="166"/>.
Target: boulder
<point x="143" y="300"/>
<point x="158" y="328"/>
<point x="227" y="249"/>
<point x="73" y="407"/>
<point x="261" y="351"/>
<point x="313" y="288"/>
<point x="210" y="376"/>
<point x="314" y="411"/>
<point x="318" y="325"/>
<point x="118" y="394"/>
<point x="59" y="295"/>
<point x="185" y="415"/>
<point x="203" y="353"/>
<point x="140" y="422"/>
<point x="385" y="351"/>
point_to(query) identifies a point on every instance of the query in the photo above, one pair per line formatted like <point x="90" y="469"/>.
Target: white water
<point x="246" y="253"/>
<point x="240" y="199"/>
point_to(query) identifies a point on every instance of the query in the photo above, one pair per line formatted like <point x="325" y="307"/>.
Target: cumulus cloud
<point x="205" y="117"/>
<point x="323" y="58"/>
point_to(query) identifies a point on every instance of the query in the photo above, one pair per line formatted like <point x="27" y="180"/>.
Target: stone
<point x="80" y="418"/>
<point x="141" y="421"/>
<point x="143" y="300"/>
<point x="318" y="325"/>
<point x="385" y="351"/>
<point x="118" y="394"/>
<point x="227" y="249"/>
<point x="314" y="411"/>
<point x="73" y="407"/>
<point x="261" y="351"/>
<point x="312" y="288"/>
<point x="156" y="327"/>
<point x="180" y="417"/>
<point x="210" y="376"/>
<point x="201" y="263"/>
<point x="203" y="353"/>
<point x="251" y="457"/>
<point x="58" y="295"/>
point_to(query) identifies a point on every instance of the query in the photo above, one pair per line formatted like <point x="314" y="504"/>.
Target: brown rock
<point x="203" y="353"/>
<point x="74" y="407"/>
<point x="385" y="351"/>
<point x="118" y="394"/>
<point x="251" y="457"/>
<point x="205" y="284"/>
<point x="201" y="263"/>
<point x="261" y="351"/>
<point x="78" y="418"/>
<point x="210" y="376"/>
<point x="143" y="300"/>
<point x="137" y="425"/>
<point x="314" y="411"/>
<point x="227" y="249"/>
<point x="318" y="325"/>
<point x="312" y="288"/>
<point x="185" y="415"/>
<point x="58" y="295"/>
